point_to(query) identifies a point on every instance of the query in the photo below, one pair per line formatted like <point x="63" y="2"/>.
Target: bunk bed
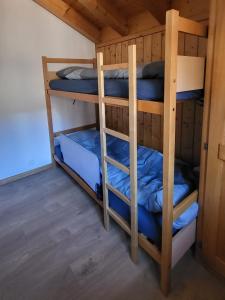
<point x="182" y="74"/>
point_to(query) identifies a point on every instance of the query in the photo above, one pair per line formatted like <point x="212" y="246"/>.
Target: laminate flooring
<point x="53" y="246"/>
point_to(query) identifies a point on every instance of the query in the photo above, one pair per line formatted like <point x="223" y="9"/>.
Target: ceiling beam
<point x="71" y="17"/>
<point x="105" y="12"/>
<point x="157" y="8"/>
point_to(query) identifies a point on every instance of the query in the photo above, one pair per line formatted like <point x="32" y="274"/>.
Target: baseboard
<point x="25" y="174"/>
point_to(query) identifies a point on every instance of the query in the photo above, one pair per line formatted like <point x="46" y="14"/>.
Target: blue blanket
<point x="149" y="170"/>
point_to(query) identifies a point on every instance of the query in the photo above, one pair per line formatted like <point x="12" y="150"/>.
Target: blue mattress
<point x="149" y="180"/>
<point x="147" y="89"/>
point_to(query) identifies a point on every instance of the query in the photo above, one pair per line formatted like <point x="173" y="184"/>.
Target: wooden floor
<point x="53" y="246"/>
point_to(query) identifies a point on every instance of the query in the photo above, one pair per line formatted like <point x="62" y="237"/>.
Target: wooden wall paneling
<point x="119" y="109"/>
<point x="147" y="130"/>
<point x="202" y="49"/>
<point x="140" y="59"/>
<point x="188" y="113"/>
<point x="187" y="137"/>
<point x="108" y="110"/>
<point x="107" y="55"/>
<point x="179" y="112"/>
<point x="124" y="55"/>
<point x="157" y="121"/>
<point x="114" y="110"/>
<point x="191" y="45"/>
<point x="157" y="46"/>
<point x="118" y="53"/>
<point x="132" y="42"/>
<point x="181" y="43"/>
<point x="124" y="46"/>
<point x="147" y="48"/>
<point x="147" y="117"/>
<point x="163" y="46"/>
<point x="197" y="133"/>
<point x="140" y="50"/>
<point x="202" y="46"/>
<point x="178" y="130"/>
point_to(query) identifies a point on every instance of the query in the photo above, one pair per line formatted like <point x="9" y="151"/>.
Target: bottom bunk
<point x="80" y="153"/>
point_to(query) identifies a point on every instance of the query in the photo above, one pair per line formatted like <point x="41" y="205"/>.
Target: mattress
<point x="81" y="152"/>
<point x="146" y="88"/>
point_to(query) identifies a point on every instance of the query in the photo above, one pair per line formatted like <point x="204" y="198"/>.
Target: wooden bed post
<point x="103" y="137"/>
<point x="133" y="148"/>
<point x="96" y="105"/>
<point x="48" y="107"/>
<point x="171" y="47"/>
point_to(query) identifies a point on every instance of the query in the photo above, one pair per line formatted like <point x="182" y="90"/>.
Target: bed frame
<point x="182" y="73"/>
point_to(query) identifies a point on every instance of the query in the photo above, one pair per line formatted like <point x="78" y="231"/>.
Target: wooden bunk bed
<point x="182" y="73"/>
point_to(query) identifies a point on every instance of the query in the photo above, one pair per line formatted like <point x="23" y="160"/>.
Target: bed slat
<point x="182" y="206"/>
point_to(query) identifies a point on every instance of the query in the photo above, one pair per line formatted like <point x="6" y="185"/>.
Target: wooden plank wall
<point x="150" y="127"/>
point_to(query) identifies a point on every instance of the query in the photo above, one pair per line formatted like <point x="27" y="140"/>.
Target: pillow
<point x="109" y="74"/>
<point x="75" y="74"/>
<point x="153" y="70"/>
<point x="66" y="71"/>
<point x="89" y="73"/>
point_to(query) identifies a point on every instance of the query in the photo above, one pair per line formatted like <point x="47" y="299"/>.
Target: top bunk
<point x="189" y="78"/>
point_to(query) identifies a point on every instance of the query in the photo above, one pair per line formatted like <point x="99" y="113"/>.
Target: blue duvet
<point x="149" y="170"/>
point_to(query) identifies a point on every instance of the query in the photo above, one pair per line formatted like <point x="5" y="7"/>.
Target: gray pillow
<point x="153" y="70"/>
<point x="109" y="74"/>
<point x="89" y="73"/>
<point x="66" y="71"/>
<point x="148" y="71"/>
<point x="75" y="74"/>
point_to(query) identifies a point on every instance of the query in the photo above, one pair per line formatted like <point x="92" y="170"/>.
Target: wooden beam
<point x="132" y="58"/>
<point x="170" y="89"/>
<point x="184" y="204"/>
<point x="75" y="129"/>
<point x="71" y="17"/>
<point x="192" y="27"/>
<point x="105" y="12"/>
<point x="101" y="95"/>
<point x="157" y="8"/>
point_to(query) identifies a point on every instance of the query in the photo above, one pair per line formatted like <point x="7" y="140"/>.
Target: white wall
<point x="27" y="32"/>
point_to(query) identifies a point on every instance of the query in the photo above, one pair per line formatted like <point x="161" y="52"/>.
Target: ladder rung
<point x="117" y="134"/>
<point x="119" y="220"/>
<point x="117" y="164"/>
<point x="115" y="66"/>
<point x="115" y="101"/>
<point x="118" y="194"/>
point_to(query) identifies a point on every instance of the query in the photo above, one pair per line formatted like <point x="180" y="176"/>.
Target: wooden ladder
<point x="131" y="229"/>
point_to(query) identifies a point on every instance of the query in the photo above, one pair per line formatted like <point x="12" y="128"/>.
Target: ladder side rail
<point x="133" y="149"/>
<point x="101" y="94"/>
<point x="170" y="86"/>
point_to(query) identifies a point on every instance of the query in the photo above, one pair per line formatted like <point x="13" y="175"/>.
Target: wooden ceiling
<point x="92" y="17"/>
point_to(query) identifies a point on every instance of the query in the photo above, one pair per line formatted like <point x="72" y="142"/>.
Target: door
<point x="214" y="204"/>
